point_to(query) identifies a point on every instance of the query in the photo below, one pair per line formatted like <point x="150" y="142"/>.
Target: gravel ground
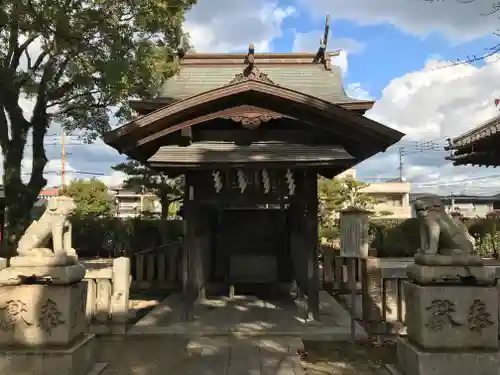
<point x="335" y="358"/>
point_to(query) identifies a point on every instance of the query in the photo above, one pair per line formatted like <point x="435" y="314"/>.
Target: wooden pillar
<point x="312" y="243"/>
<point x="193" y="281"/>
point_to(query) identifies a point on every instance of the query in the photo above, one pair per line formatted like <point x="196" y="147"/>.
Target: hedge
<point x="112" y="237"/>
<point x="401" y="238"/>
<point x="391" y="237"/>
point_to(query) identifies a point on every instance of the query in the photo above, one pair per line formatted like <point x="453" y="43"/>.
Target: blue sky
<point x="388" y="51"/>
<point x="396" y="51"/>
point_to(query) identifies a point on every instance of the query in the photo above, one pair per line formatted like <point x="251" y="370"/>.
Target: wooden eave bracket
<point x="251" y="117"/>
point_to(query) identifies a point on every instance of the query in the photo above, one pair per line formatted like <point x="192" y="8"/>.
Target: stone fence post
<point x="371" y="294"/>
<point x="120" y="294"/>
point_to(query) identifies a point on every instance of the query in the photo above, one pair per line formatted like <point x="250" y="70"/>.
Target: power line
<point x="401" y="163"/>
<point x="58" y="173"/>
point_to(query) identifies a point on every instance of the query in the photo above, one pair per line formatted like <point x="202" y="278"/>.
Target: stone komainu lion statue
<point x="53" y="224"/>
<point x="439" y="232"/>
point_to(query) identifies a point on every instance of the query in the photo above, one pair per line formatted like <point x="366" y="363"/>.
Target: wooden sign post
<point x="354" y="244"/>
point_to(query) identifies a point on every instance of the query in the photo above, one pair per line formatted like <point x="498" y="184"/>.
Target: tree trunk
<point x="20" y="198"/>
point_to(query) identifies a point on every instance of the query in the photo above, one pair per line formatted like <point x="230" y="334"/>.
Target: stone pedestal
<point x="53" y="270"/>
<point x="43" y="330"/>
<point x="452" y="320"/>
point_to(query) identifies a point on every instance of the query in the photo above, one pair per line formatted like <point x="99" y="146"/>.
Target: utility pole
<point x="401" y="163"/>
<point x="63" y="159"/>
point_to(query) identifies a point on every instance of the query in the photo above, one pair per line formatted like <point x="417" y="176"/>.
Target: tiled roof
<point x="482" y="131"/>
<point x="200" y="75"/>
<point x="49" y="192"/>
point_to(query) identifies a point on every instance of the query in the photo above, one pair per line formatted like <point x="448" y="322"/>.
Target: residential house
<point x="129" y="203"/>
<point x="392" y="197"/>
<point x="467" y="205"/>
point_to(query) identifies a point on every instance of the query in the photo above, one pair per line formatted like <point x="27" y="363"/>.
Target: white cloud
<point x="228" y="25"/>
<point x="459" y="21"/>
<point x="354" y="90"/>
<point x="438" y="102"/>
<point x="341" y="61"/>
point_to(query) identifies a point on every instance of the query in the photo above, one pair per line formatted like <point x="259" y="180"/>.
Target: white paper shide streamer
<point x="290" y="182"/>
<point x="217" y="181"/>
<point x="242" y="181"/>
<point x="265" y="181"/>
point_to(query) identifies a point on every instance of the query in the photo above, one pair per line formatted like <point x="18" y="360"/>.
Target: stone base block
<point x="58" y="275"/>
<point x="453" y="259"/>
<point x="49" y="260"/>
<point x="39" y="315"/>
<point x="415" y="361"/>
<point x="472" y="275"/>
<point x="452" y="317"/>
<point x="79" y="359"/>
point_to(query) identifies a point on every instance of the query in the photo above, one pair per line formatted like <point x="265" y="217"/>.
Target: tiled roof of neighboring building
<point x="416" y="196"/>
<point x="51" y="192"/>
<point x="482" y="131"/>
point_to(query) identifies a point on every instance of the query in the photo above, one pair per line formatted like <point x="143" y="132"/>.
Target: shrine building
<point x="251" y="133"/>
<point x="479" y="146"/>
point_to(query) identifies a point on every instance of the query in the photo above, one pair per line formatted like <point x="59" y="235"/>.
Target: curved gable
<point x="266" y="96"/>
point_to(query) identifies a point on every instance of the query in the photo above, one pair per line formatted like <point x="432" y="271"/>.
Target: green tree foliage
<point x="142" y="178"/>
<point x="351" y="194"/>
<point x="336" y="194"/>
<point x="91" y="197"/>
<point x="78" y="62"/>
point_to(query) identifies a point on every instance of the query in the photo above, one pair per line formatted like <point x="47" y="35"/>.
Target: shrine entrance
<point x="251" y="247"/>
<point x="243" y="222"/>
<point x="251" y="133"/>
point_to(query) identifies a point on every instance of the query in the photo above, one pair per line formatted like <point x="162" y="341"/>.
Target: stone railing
<point x="380" y="297"/>
<point x="156" y="268"/>
<point x="108" y="283"/>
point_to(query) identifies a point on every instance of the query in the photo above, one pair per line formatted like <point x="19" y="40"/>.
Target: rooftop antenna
<point x="323" y="43"/>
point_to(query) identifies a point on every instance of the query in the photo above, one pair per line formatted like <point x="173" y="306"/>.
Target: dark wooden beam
<point x="285" y="135"/>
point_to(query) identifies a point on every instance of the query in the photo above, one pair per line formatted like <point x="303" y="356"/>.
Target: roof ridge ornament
<point x="321" y="56"/>
<point x="251" y="72"/>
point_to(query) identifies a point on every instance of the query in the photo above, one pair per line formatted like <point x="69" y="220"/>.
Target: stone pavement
<point x="160" y="354"/>
<point x="245" y="335"/>
<point x="249" y="316"/>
